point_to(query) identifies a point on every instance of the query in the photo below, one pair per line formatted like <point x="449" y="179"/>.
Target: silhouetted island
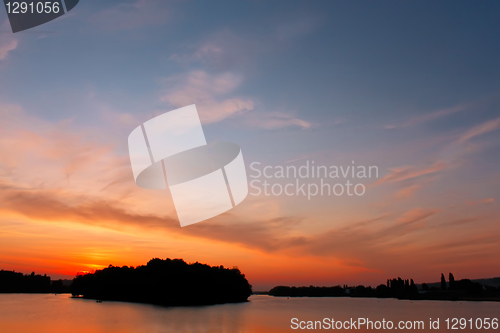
<point x="464" y="289"/>
<point x="165" y="282"/>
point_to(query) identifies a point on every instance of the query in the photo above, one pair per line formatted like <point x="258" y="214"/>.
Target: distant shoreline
<point x="399" y="299"/>
<point x="472" y="300"/>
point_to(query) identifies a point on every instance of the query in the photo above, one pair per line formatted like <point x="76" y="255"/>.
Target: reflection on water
<point x="59" y="313"/>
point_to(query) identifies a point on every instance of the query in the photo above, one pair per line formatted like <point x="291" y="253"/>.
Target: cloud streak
<point x="7" y="43"/>
<point x="413" y="178"/>
<point x="214" y="97"/>
<point x="208" y="93"/>
<point x="274" y="120"/>
<point x="134" y="15"/>
<point x="420" y="119"/>
<point x="478" y="130"/>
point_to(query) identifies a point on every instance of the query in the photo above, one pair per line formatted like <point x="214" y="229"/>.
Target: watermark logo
<point x="27" y="14"/>
<point x="205" y="180"/>
<point x="310" y="180"/>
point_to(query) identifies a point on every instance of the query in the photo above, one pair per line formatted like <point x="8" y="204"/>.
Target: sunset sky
<point x="411" y="87"/>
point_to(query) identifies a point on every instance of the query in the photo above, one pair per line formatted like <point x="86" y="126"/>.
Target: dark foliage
<point x="401" y="289"/>
<point x="451" y="280"/>
<point x="165" y="282"/>
<point x="443" y="282"/>
<point x="472" y="288"/>
<point x="13" y="282"/>
<point x="395" y="288"/>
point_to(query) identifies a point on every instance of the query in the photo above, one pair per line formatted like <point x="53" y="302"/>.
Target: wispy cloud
<point x="228" y="53"/>
<point x="413" y="178"/>
<point x="415" y="215"/>
<point x="39" y="155"/>
<point x="478" y="130"/>
<point x="7" y="43"/>
<point x="408" y="191"/>
<point x="215" y="100"/>
<point x="373" y="243"/>
<point x="420" y="119"/>
<point x="86" y="182"/>
<point x="221" y="51"/>
<point x="274" y="120"/>
<point x="62" y="206"/>
<point x="272" y="235"/>
<point x="6" y="47"/>
<point x="132" y="15"/>
<point x="225" y="50"/>
<point x="409" y="173"/>
<point x="208" y="92"/>
<point x="484" y="201"/>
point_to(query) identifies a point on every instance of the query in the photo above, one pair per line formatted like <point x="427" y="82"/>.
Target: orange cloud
<point x="481" y="129"/>
<point x="411" y="173"/>
<point x="68" y="202"/>
<point x="408" y="192"/>
<point x="480" y="202"/>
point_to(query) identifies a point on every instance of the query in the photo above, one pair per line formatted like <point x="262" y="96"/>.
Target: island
<point x="169" y="282"/>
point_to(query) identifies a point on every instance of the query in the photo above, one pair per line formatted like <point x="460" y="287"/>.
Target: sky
<point x="410" y="87"/>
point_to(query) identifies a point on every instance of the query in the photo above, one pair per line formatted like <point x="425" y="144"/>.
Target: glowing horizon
<point x="309" y="83"/>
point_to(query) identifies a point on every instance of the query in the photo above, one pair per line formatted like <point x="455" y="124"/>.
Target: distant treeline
<point x="13" y="282"/>
<point x="398" y="288"/>
<point x="165" y="282"/>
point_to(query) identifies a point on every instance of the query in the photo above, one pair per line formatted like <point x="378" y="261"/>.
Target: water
<point x="50" y="313"/>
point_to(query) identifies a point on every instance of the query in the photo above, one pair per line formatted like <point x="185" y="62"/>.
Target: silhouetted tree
<point x="383" y="290"/>
<point x="472" y="288"/>
<point x="443" y="282"/>
<point x="451" y="281"/>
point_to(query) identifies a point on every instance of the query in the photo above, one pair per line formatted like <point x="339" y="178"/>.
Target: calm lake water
<point x="59" y="313"/>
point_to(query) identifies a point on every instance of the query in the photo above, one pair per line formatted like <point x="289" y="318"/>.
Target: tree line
<point x="14" y="282"/>
<point x="399" y="288"/>
<point x="162" y="282"/>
